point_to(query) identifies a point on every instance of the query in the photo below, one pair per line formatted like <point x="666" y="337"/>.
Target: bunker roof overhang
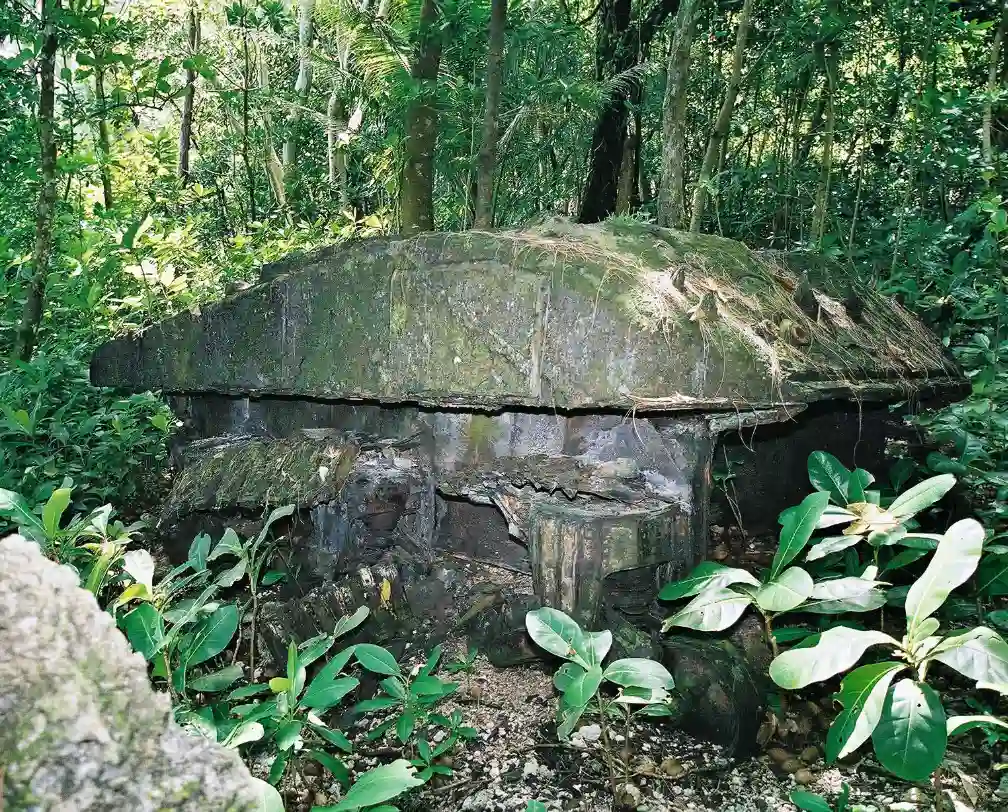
<point x="559" y="316"/>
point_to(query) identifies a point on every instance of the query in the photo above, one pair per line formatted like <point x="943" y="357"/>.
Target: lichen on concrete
<point x="80" y="726"/>
<point x="559" y="315"/>
<point x="253" y="473"/>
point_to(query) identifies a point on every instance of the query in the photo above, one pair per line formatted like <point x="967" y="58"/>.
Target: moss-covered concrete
<point x="614" y="316"/>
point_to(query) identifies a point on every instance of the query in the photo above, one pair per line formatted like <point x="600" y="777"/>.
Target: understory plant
<point x="642" y="685"/>
<point x="720" y="594"/>
<point x="905" y="718"/>
<point x="91" y="543"/>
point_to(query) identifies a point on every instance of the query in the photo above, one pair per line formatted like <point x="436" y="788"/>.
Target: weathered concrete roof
<point x="618" y="315"/>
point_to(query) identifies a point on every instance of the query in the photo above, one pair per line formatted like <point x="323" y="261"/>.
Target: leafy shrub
<point x="906" y="720"/>
<point x="641" y="682"/>
<point x="55" y="424"/>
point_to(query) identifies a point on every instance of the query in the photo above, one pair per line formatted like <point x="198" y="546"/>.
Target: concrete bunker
<point x="549" y="401"/>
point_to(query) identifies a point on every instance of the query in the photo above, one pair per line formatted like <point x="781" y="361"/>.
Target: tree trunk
<point x="626" y="193"/>
<point x="336" y="125"/>
<point x="189" y="98"/>
<point x="672" y="191"/>
<point x="720" y="131"/>
<point x="302" y="87"/>
<point x="31" y="315"/>
<point x="246" y="84"/>
<point x="417" y="193"/>
<point x="487" y="172"/>
<point x="104" y="139"/>
<point x="623" y="42"/>
<point x="274" y="169"/>
<point x="992" y="85"/>
<point x="822" y="190"/>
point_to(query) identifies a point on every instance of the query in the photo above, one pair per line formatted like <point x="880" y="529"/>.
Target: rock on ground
<point x="80" y="726"/>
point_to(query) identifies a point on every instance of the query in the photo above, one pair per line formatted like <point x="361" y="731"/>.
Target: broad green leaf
<point x="335" y="664"/>
<point x="809" y="801"/>
<point x="567" y="716"/>
<point x="350" y="622"/>
<point x="857" y="484"/>
<point x="566" y="674"/>
<point x="788" y="591"/>
<point x="249" y="690"/>
<point x="920" y="496"/>
<point x="394" y="687"/>
<point x="903" y="559"/>
<point x="377" y="659"/>
<point x="597" y="645"/>
<point x="198" y="551"/>
<point x="641" y="696"/>
<point x="144" y="629"/>
<point x="584" y="686"/>
<point x="267" y="797"/>
<point x="217" y="680"/>
<point x="980" y="654"/>
<point x="827" y="473"/>
<point x="706" y="575"/>
<point x="275" y="515"/>
<point x="279" y="685"/>
<point x="325" y="695"/>
<point x="830" y="544"/>
<point x="278" y="767"/>
<point x="404" y="726"/>
<point x="232" y="575"/>
<point x="559" y="634"/>
<point x="851" y="594"/>
<point x="288" y="733"/>
<point x="992" y="576"/>
<point x="17" y="509"/>
<point x="243" y="733"/>
<point x="336" y="767"/>
<point x="952" y="564"/>
<point x="139" y="565"/>
<point x="862" y="694"/>
<point x="836" y="651"/>
<point x="229" y="544"/>
<point x="923" y="631"/>
<point x="957" y="725"/>
<point x="637" y="672"/>
<point x="333" y="736"/>
<point x="377" y="786"/>
<point x="833" y="516"/>
<point x="797" y="530"/>
<point x="310" y="650"/>
<point x="910" y="738"/>
<point x="212" y="635"/>
<point x="53" y="511"/>
<point x="710" y="611"/>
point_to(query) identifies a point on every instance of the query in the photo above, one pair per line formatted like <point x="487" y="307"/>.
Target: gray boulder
<point x="80" y="726"/>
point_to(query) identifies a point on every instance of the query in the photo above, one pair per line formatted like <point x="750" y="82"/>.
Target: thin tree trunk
<point x="31" y="315"/>
<point x="823" y="188"/>
<point x="246" y="82"/>
<point x="627" y="194"/>
<point x="189" y="98"/>
<point x="671" y="191"/>
<point x="336" y="125"/>
<point x="302" y="87"/>
<point x="417" y="193"/>
<point x="992" y="85"/>
<point x="720" y="130"/>
<point x="274" y="169"/>
<point x="104" y="139"/>
<point x="623" y="43"/>
<point x="487" y="161"/>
